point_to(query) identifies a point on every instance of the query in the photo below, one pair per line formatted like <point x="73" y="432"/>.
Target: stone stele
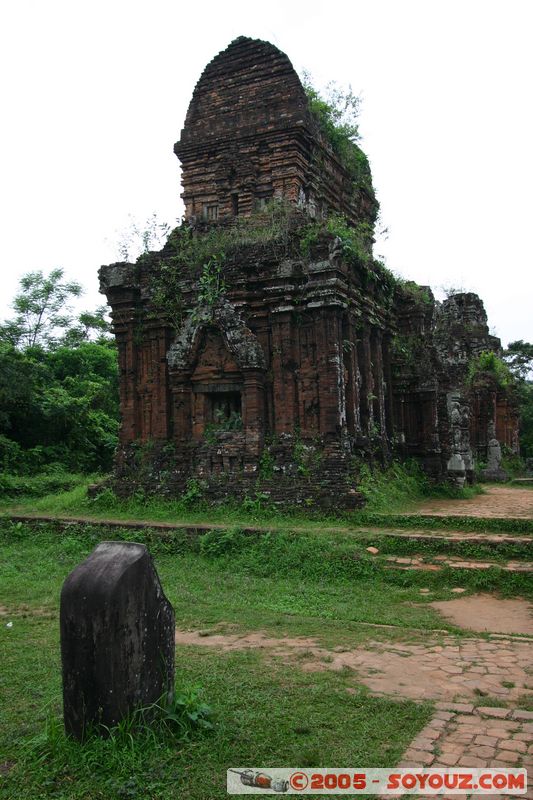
<point x="117" y="637"/>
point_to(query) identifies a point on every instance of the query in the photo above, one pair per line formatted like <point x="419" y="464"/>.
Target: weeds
<point x="401" y="486"/>
<point x="116" y="756"/>
<point x="324" y="559"/>
<point x="51" y="482"/>
<point x="450" y="522"/>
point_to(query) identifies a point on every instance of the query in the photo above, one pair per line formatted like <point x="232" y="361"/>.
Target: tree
<point x="58" y="389"/>
<point x="337" y="112"/>
<point x="337" y="109"/>
<point x="41" y="309"/>
<point x="519" y="358"/>
<point x="58" y="406"/>
<point x="44" y="317"/>
<point x="89" y="325"/>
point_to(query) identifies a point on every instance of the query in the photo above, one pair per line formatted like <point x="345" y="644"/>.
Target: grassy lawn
<point x="266" y="713"/>
<point x="392" y="502"/>
<point x="302" y="578"/>
<point x="267" y="717"/>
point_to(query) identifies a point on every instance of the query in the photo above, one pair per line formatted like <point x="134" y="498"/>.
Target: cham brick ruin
<point x="264" y="349"/>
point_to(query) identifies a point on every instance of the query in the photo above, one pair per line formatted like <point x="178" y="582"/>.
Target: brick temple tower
<point x="263" y="349"/>
<point x="249" y="136"/>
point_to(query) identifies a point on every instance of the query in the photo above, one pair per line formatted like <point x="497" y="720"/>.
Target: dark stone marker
<point x="117" y="637"/>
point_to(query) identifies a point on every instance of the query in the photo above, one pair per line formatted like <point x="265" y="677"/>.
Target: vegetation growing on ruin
<point x="190" y="247"/>
<point x="337" y="113"/>
<point x="222" y="424"/>
<point x="201" y="252"/>
<point x="404" y="349"/>
<point x="419" y="294"/>
<point x="356" y="246"/>
<point x="387" y="492"/>
<point x="401" y="486"/>
<point x="488" y="367"/>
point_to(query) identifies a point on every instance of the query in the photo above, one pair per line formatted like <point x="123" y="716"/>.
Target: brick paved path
<point x="464" y="736"/>
<point x="497" y="501"/>
<point x="451" y="670"/>
<point x="460" y="736"/>
<point x="448" y="669"/>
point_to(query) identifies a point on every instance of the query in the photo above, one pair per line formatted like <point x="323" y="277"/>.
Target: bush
<point x="488" y="367"/>
<point x="11" y="455"/>
<point x="393" y="488"/>
<point x="58" y="407"/>
<point x="14" y="486"/>
<point x="336" y="114"/>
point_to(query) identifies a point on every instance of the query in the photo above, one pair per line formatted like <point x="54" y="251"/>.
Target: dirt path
<point x="484" y="612"/>
<point x="498" y="501"/>
<point x="446" y="668"/>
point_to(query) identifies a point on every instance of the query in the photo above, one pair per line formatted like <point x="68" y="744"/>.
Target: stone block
<point x="117" y="637"/>
<point x="494" y="711"/>
<point x="520" y="714"/>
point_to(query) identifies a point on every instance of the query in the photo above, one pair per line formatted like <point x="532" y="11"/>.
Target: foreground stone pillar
<point x="117" y="637"/>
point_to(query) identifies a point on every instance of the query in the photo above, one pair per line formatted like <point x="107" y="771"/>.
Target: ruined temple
<point x="263" y="351"/>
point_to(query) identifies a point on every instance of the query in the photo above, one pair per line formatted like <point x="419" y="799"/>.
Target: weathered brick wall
<point x="443" y="419"/>
<point x="249" y="136"/>
<point x="299" y="349"/>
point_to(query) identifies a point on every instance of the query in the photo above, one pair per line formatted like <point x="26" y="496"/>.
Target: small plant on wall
<point x="488" y="368"/>
<point x="211" y="283"/>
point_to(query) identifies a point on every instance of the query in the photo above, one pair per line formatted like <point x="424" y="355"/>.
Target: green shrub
<point x="221" y="542"/>
<point x="336" y="114"/>
<point x="11" y="454"/>
<point x="13" y="486"/>
<point x="488" y="366"/>
<point x="512" y="463"/>
<point x="393" y="488"/>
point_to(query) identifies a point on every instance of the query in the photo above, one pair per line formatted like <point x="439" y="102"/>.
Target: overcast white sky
<point x="94" y="95"/>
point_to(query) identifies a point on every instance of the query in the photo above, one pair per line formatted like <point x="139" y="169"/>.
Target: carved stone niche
<point x="117" y="638"/>
<point x="217" y="369"/>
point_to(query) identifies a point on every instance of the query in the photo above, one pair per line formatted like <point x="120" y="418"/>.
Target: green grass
<point x="402" y="486"/>
<point x="319" y="575"/>
<point x="299" y="575"/>
<point x="267" y="713"/>
<point x="271" y="583"/>
<point x="390" y="542"/>
<point x="264" y="717"/>
<point x="400" y="510"/>
<point x="395" y="489"/>
<point x="32" y="486"/>
<point x="452" y="522"/>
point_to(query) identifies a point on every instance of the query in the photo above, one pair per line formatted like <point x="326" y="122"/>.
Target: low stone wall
<point x="288" y="472"/>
